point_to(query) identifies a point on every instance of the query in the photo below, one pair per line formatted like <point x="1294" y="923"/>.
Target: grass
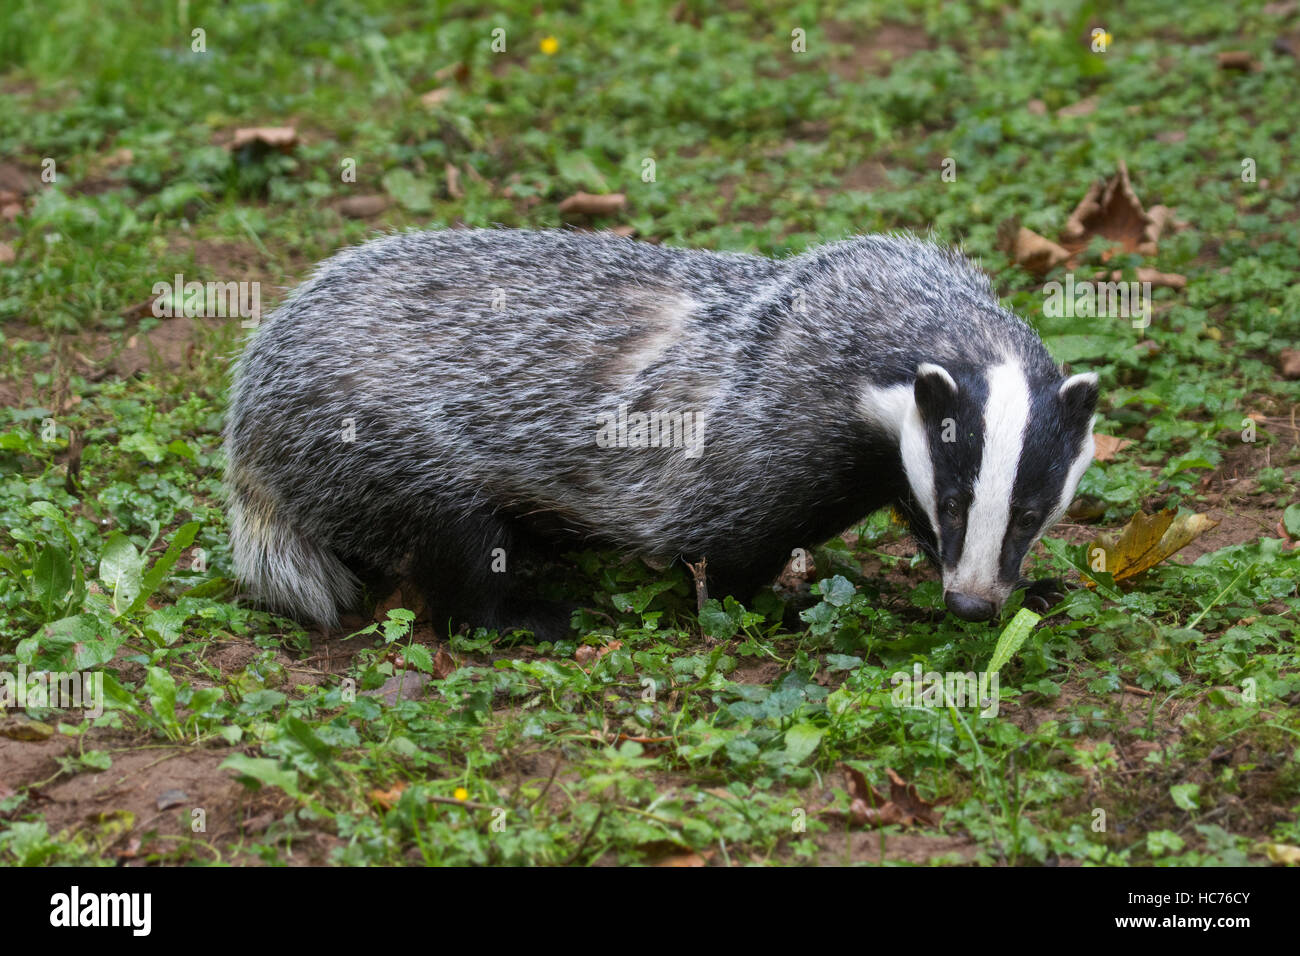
<point x="1160" y="725"/>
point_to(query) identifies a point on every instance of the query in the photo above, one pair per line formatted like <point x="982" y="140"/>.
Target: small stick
<point x="701" y="585"/>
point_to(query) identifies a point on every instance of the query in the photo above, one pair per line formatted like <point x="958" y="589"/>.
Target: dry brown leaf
<point x="453" y="182"/>
<point x="1237" y="60"/>
<point x="869" y="808"/>
<point x="590" y="204"/>
<point x="7" y="253"/>
<point x="1036" y="253"/>
<point x="388" y="798"/>
<point x="1147" y="540"/>
<point x="436" y="97"/>
<point x="452" y="71"/>
<point x="587" y="653"/>
<point x="282" y="138"/>
<point x="1036" y="107"/>
<point x="363" y="207"/>
<point x="443" y="664"/>
<point x="1082" y="108"/>
<point x="1106" y="447"/>
<point x="627" y="232"/>
<point x="1288" y="363"/>
<point x="683" y="859"/>
<point x="1113" y="211"/>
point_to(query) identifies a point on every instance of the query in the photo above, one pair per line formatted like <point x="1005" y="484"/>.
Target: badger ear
<point x="1078" y="395"/>
<point x="934" y="390"/>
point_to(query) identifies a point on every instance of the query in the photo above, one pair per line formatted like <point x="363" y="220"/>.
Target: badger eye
<point x="952" y="507"/>
<point x="1028" y="520"/>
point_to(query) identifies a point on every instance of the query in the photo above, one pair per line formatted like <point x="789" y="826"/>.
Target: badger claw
<point x="1041" y="595"/>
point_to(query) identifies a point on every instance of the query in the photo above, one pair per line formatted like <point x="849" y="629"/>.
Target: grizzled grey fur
<point x="430" y="404"/>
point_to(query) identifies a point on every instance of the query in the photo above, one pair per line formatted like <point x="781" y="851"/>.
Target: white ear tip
<point x="926" y="369"/>
<point x="1074" y="381"/>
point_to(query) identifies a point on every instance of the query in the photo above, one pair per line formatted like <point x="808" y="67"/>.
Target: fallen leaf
<point x="1037" y="107"/>
<point x="683" y="859"/>
<point x="443" y="664"/>
<point x="588" y="653"/>
<point x="869" y="808"/>
<point x="436" y="97"/>
<point x="457" y="71"/>
<point x="1288" y="363"/>
<point x="1106" y="447"/>
<point x="627" y="232"/>
<point x="453" y="183"/>
<point x="387" y="799"/>
<point x="1283" y="853"/>
<point x="1113" y="211"/>
<point x="282" y="138"/>
<point x="1081" y="108"/>
<point x="1146" y="541"/>
<point x="6" y="253"/>
<point x="590" y="204"/>
<point x="1036" y="253"/>
<point x="363" y="207"/>
<point x="1237" y="60"/>
<point x="171" y="798"/>
<point x="17" y="728"/>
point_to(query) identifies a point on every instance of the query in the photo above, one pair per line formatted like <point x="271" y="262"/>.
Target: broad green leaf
<point x="264" y="771"/>
<point x="802" y="739"/>
<point x="120" y="570"/>
<point x="51" y="578"/>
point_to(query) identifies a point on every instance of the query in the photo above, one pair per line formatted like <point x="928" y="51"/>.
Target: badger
<point x="463" y="407"/>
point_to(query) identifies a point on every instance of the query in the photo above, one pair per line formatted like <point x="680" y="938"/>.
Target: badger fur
<point x="462" y="405"/>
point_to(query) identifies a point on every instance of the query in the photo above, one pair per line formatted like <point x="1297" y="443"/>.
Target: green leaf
<point x="837" y="590"/>
<point x="263" y="771"/>
<point x="120" y="570"/>
<point x="162" y="698"/>
<point x="721" y="621"/>
<point x="299" y="731"/>
<point x="638" y="600"/>
<point x="181" y="540"/>
<point x="1291" y="520"/>
<point x="414" y="194"/>
<point x="1186" y="795"/>
<point x="51" y="578"/>
<point x="418" y="656"/>
<point x="1012" y="636"/>
<point x="802" y="739"/>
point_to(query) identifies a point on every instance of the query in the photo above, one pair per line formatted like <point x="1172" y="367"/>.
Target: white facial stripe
<point x="1005" y="416"/>
<point x="894" y="409"/>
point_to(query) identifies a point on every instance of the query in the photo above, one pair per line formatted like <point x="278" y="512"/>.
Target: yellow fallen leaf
<point x="1145" y="541"/>
<point x="1283" y="853"/>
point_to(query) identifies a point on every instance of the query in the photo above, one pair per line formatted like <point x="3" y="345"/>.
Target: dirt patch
<point x="840" y="848"/>
<point x="875" y="50"/>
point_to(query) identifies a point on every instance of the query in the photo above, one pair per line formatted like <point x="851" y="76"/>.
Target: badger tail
<point x="281" y="567"/>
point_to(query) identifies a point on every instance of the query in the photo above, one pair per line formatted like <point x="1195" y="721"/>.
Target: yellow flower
<point x="549" y="45"/>
<point x="461" y="793"/>
<point x="1105" y="39"/>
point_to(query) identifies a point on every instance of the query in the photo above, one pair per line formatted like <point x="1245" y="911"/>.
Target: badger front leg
<point x="1043" y="594"/>
<point x="471" y="570"/>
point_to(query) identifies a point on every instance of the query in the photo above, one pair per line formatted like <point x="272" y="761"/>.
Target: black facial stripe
<point x="957" y="459"/>
<point x="1053" y="437"/>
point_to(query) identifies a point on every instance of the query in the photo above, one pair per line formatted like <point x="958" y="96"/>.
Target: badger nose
<point x="968" y="608"/>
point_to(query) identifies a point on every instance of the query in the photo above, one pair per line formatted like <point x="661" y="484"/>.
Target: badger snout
<point x="968" y="607"/>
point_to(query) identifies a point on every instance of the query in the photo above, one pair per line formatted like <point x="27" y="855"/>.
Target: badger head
<point x="992" y="459"/>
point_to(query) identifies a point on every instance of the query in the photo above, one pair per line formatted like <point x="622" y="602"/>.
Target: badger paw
<point x="1042" y="595"/>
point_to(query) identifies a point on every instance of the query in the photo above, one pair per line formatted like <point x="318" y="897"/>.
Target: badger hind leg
<point x="473" y="571"/>
<point x="284" y="569"/>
